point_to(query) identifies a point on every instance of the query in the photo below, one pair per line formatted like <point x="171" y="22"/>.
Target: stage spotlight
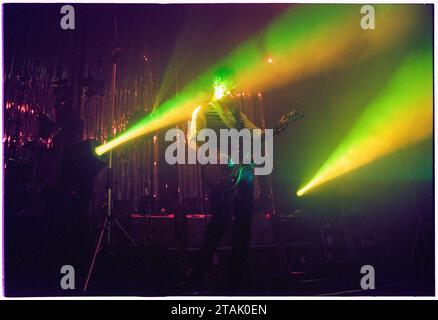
<point x="178" y="108"/>
<point x="402" y="115"/>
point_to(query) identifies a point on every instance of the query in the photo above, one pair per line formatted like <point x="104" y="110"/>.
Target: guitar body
<point x="217" y="176"/>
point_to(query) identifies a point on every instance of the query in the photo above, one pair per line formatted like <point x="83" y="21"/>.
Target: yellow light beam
<point x="401" y="116"/>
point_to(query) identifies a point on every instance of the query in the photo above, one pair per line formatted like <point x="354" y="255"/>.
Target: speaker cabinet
<point x="154" y="230"/>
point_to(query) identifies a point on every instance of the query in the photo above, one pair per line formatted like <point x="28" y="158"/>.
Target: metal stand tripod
<point x="109" y="220"/>
<point x="106" y="228"/>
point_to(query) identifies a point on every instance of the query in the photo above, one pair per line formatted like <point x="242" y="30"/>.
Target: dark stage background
<point x="381" y="214"/>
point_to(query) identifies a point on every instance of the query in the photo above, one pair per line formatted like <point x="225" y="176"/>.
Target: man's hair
<point x="224" y="74"/>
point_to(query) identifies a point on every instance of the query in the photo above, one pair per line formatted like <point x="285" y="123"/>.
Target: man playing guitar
<point x="226" y="197"/>
<point x="230" y="195"/>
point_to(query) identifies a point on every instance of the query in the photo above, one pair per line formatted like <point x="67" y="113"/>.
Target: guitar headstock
<point x="286" y="119"/>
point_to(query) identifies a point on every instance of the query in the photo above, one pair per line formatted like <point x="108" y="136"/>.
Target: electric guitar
<point x="231" y="175"/>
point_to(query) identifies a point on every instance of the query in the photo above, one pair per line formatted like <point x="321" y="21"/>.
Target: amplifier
<point x="196" y="226"/>
<point x="154" y="230"/>
<point x="261" y="231"/>
<point x="167" y="231"/>
<point x="299" y="229"/>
